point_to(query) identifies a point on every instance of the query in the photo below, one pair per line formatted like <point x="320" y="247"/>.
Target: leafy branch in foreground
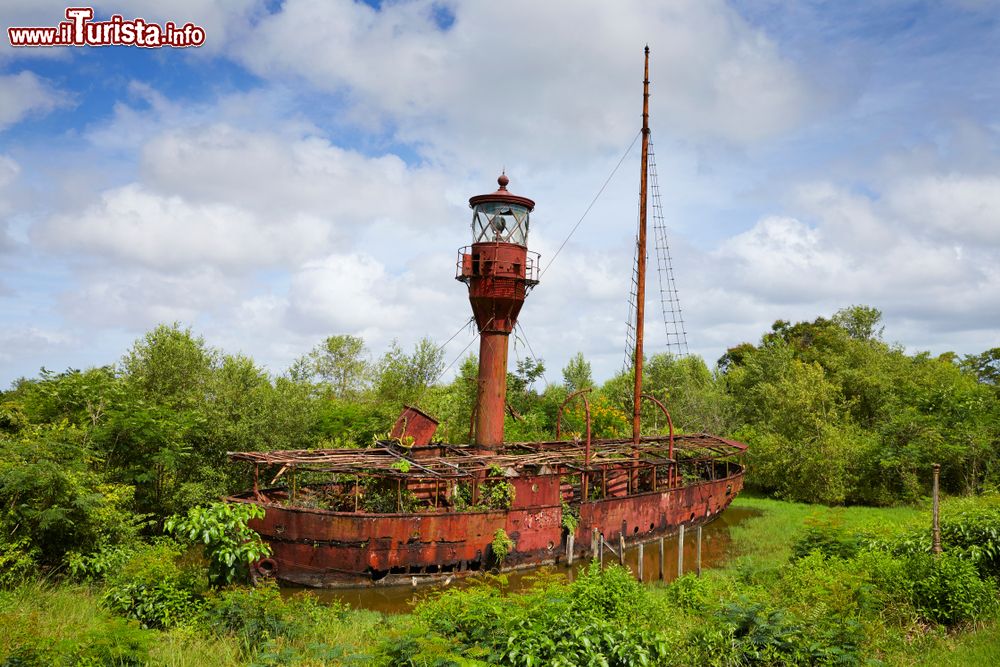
<point x="230" y="545"/>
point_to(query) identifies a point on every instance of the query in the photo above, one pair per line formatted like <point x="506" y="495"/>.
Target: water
<point x="716" y="548"/>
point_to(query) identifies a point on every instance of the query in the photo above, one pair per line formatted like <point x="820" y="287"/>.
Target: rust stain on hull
<point x="321" y="548"/>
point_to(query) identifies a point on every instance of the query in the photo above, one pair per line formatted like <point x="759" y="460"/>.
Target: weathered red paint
<point x="502" y="196"/>
<point x="497" y="285"/>
<point x="499" y="275"/>
<point x="491" y="391"/>
<point x="327" y="549"/>
<point x="656" y="513"/>
<point x="416" y="424"/>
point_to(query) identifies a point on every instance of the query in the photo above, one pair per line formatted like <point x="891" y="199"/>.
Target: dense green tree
<point x="340" y="362"/>
<point x="576" y="374"/>
<point x="696" y="400"/>
<point x="403" y="378"/>
<point x="454" y="403"/>
<point x="53" y="498"/>
<point x="985" y="366"/>
<point x="860" y="322"/>
<point x="891" y="415"/>
<point x="170" y="366"/>
<point x="528" y="418"/>
<point x="521" y="393"/>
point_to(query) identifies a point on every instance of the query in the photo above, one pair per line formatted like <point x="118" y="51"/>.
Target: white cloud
<point x="275" y="175"/>
<point x="24" y="94"/>
<point x="165" y="232"/>
<point x="9" y="171"/>
<point x="243" y="200"/>
<point x="876" y="252"/>
<point x="20" y="340"/>
<point x="535" y="82"/>
<point x="957" y="207"/>
<point x="137" y="299"/>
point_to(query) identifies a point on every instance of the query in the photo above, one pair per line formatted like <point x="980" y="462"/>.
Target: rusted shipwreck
<point x="410" y="509"/>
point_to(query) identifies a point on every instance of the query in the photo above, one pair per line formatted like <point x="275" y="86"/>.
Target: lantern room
<point x="501" y="217"/>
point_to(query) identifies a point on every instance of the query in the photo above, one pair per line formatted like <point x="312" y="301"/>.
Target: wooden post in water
<point x="680" y="551"/>
<point x="936" y="523"/>
<point x="661" y="559"/>
<point x="621" y="548"/>
<point x="569" y="549"/>
<point x="697" y="559"/>
<point x="593" y="544"/>
<point x="640" y="560"/>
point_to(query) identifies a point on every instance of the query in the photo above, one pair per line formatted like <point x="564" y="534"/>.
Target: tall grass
<point x="767" y="540"/>
<point x="47" y="624"/>
<point x="968" y="649"/>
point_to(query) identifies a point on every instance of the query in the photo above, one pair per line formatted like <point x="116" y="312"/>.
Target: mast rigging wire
<point x="592" y="202"/>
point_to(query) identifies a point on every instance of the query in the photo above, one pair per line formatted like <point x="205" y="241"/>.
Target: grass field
<point x="766" y="541"/>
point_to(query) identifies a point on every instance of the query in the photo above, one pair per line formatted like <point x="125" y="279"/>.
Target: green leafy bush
<point x="54" y="499"/>
<point x="570" y="517"/>
<point x="593" y="621"/>
<point x="826" y="538"/>
<point x="560" y="640"/>
<point x="501" y="546"/>
<point x="385" y="497"/>
<point x="114" y="642"/>
<point x="611" y="593"/>
<point x="230" y="545"/>
<point x="153" y="587"/>
<point x="476" y="615"/>
<point x="257" y="615"/>
<point x="974" y="535"/>
<point x="948" y="590"/>
<point x="101" y="563"/>
<point x="942" y="589"/>
<point x="117" y="643"/>
<point x="162" y="604"/>
<point x="496" y="492"/>
<point x="688" y="592"/>
<point x="17" y="562"/>
<point x="762" y="635"/>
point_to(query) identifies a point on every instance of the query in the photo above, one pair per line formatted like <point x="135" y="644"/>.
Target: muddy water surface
<point x="716" y="548"/>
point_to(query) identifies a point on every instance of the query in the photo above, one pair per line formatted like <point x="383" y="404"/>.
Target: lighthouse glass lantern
<point x="500" y="222"/>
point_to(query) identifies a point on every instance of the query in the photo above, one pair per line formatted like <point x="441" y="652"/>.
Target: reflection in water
<point x="715" y="549"/>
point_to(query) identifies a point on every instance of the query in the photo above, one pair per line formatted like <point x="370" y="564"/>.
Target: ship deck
<point x="388" y="515"/>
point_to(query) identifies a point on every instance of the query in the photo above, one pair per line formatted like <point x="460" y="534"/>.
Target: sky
<point x="306" y="172"/>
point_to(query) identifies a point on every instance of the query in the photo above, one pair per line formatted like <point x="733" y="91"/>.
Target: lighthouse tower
<point x="500" y="271"/>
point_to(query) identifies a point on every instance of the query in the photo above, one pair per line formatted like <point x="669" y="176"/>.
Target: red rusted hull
<point x="320" y="548"/>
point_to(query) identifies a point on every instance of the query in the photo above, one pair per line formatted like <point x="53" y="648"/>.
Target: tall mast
<point x="640" y="299"/>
